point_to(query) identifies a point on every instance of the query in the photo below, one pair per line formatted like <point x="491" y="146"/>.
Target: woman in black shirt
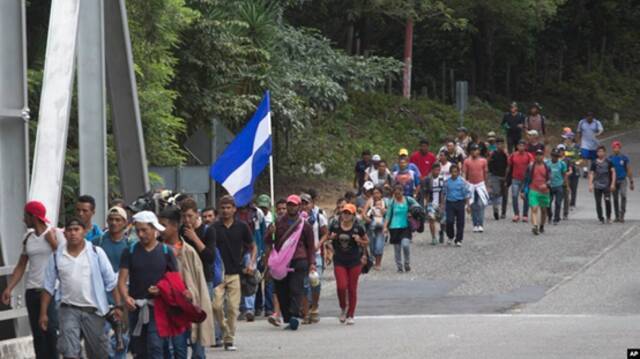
<point x="349" y="240"/>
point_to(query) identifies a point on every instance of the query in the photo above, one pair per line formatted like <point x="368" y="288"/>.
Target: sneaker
<point x="621" y="219"/>
<point x="268" y="313"/>
<point x="434" y="241"/>
<point x="306" y="321"/>
<point x="602" y="221"/>
<point x="496" y="215"/>
<point x="555" y="223"/>
<point x="314" y="316"/>
<point x="449" y="242"/>
<point x="275" y="321"/>
<point x="258" y="313"/>
<point x="475" y="229"/>
<point x="535" y="231"/>
<point x="294" y="323"/>
<point x="616" y="220"/>
<point x="250" y="317"/>
<point x="240" y="317"/>
<point x="350" y="321"/>
<point x="230" y="347"/>
<point x="458" y="244"/>
<point x="542" y="228"/>
<point x="400" y="270"/>
<point x="503" y="216"/>
<point x="343" y="316"/>
<point x="525" y="219"/>
<point x="441" y="237"/>
<point x="480" y="229"/>
<point x="218" y="345"/>
<point x="407" y="268"/>
<point x="564" y="218"/>
<point x="515" y="219"/>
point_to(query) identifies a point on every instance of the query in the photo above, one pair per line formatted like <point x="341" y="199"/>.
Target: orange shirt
<point x="475" y="169"/>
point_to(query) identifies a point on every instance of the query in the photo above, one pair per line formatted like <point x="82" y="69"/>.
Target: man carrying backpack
<point x="290" y="289"/>
<point x="82" y="276"/>
<point x="114" y="242"/>
<point x="141" y="268"/>
<point x="537" y="184"/>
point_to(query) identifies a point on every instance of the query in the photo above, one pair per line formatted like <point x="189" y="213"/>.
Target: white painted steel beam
<point x="14" y="139"/>
<point x="55" y="106"/>
<point x="123" y="97"/>
<point x="92" y="120"/>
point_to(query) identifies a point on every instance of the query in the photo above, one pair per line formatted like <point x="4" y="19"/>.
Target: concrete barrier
<point x="18" y="348"/>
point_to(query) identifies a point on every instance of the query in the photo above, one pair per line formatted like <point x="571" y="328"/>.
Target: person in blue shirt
<point x="456" y="195"/>
<point x="85" y="210"/>
<point x="114" y="241"/>
<point x="558" y="179"/>
<point x="623" y="173"/>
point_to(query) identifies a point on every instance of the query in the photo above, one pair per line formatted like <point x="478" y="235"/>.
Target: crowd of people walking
<point x="164" y="283"/>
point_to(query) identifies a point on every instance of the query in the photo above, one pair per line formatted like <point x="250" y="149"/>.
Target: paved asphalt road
<point x="570" y="293"/>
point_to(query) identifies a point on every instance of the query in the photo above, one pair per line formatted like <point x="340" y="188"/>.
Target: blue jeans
<point x="112" y="343"/>
<point x="477" y="210"/>
<point x="176" y="347"/>
<point x="557" y="195"/>
<point x="516" y="187"/>
<point x="404" y="247"/>
<point x="376" y="246"/>
<point x="247" y="303"/>
<point x="148" y="345"/>
<point x="308" y="289"/>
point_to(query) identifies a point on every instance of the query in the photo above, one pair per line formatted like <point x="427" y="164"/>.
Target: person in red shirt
<point x="424" y="159"/>
<point x="475" y="171"/>
<point x="537" y="189"/>
<point x="517" y="167"/>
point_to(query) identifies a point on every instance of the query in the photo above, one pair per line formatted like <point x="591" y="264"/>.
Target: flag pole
<point x="271" y="182"/>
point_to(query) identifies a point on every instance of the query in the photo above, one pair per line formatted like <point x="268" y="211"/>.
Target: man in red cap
<point x="39" y="242"/>
<point x="623" y="174"/>
<point x="290" y="290"/>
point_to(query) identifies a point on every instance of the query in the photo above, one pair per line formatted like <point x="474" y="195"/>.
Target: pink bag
<point x="279" y="260"/>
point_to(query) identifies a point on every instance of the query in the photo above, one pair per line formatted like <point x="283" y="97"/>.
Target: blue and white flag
<point x="242" y="161"/>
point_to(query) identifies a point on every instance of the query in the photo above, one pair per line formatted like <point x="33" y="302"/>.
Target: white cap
<point x="376" y="158"/>
<point x="368" y="186"/>
<point x="533" y="133"/>
<point x="148" y="217"/>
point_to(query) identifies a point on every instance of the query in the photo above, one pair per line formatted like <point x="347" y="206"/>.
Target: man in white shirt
<point x="85" y="275"/>
<point x="39" y="242"/>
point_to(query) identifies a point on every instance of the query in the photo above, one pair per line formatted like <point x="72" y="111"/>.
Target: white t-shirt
<point x="75" y="279"/>
<point x="319" y="221"/>
<point x="38" y="250"/>
<point x="445" y="170"/>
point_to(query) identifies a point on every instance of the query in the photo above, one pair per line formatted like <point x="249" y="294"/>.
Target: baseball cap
<point x="305" y="197"/>
<point x="616" y="143"/>
<point x="473" y="147"/>
<point x="349" y="208"/>
<point x="376" y="158"/>
<point x="148" y="217"/>
<point x="462" y="129"/>
<point x="368" y="186"/>
<point x="555" y="152"/>
<point x="522" y="142"/>
<point x="119" y="211"/>
<point x="295" y="199"/>
<point x="263" y="201"/>
<point x="561" y="147"/>
<point x="37" y="209"/>
<point x="74" y="221"/>
<point x="567" y="135"/>
<point x="539" y="152"/>
<point x="403" y="152"/>
<point x="491" y="134"/>
<point x="532" y="132"/>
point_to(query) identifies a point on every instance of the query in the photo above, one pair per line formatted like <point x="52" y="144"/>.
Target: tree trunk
<point x="350" y="34"/>
<point x="444" y="82"/>
<point x="603" y="48"/>
<point x="489" y="53"/>
<point x="408" y="55"/>
<point x="508" y="80"/>
<point x="560" y="64"/>
<point x="452" y="85"/>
